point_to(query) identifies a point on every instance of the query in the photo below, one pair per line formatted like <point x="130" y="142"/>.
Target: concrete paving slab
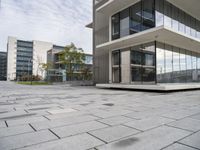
<point x="113" y="133"/>
<point x="2" y="124"/>
<point x="187" y="124"/>
<point x="60" y="111"/>
<point x="15" y="130"/>
<point x="26" y="120"/>
<point x="148" y="123"/>
<point x="78" y="128"/>
<point x="155" y="139"/>
<point x="197" y="116"/>
<point x="27" y="139"/>
<point x="193" y="140"/>
<point x="78" y="142"/>
<point x="177" y="146"/>
<point x="62" y="122"/>
<point x="116" y="120"/>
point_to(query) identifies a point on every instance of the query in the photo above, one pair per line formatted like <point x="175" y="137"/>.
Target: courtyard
<point x="60" y="117"/>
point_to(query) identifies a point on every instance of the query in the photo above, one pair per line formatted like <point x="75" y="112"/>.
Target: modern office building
<point x="3" y="66"/>
<point x="57" y="70"/>
<point x="146" y="41"/>
<point x="25" y="57"/>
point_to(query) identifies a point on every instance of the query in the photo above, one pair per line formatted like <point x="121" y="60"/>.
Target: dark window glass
<point x="136" y="74"/>
<point x="148" y="14"/>
<point x="124" y="23"/>
<point x="116" y="57"/>
<point x="115" y="27"/>
<point x="135" y="18"/>
<point x="136" y="57"/>
<point x="148" y="75"/>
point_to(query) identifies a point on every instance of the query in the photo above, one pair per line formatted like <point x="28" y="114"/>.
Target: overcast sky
<point x="57" y="21"/>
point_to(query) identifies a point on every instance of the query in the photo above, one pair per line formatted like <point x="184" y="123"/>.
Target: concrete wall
<point x="11" y="61"/>
<point x="125" y="66"/>
<point x="40" y="56"/>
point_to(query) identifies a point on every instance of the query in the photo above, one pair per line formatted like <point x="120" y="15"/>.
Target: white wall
<point x="40" y="56"/>
<point x="11" y="63"/>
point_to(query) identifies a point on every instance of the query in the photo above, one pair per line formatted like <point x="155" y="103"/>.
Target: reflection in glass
<point x="148" y="75"/>
<point x="115" y="27"/>
<point x="159" y="12"/>
<point x="149" y="59"/>
<point x="136" y="57"/>
<point x="160" y="58"/>
<point x="136" y="74"/>
<point x="124" y="23"/>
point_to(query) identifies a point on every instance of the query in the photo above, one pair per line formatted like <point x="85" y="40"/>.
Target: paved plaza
<point x="59" y="117"/>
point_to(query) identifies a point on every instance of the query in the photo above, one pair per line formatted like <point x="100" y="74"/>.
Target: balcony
<point x="161" y="34"/>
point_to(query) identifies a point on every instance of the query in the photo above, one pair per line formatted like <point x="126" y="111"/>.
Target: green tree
<point x="72" y="57"/>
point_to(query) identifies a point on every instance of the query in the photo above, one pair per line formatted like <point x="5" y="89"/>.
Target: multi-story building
<point x="146" y="41"/>
<point x="57" y="70"/>
<point x="25" y="57"/>
<point x="3" y="66"/>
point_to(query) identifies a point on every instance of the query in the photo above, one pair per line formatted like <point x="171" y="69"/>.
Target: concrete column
<point x="110" y="66"/>
<point x="125" y="67"/>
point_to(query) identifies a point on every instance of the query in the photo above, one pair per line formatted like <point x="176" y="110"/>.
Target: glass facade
<point x="176" y="65"/>
<point x="147" y="14"/>
<point x="24" y="64"/>
<point x="3" y="66"/>
<point x="143" y="63"/>
<point x="116" y="66"/>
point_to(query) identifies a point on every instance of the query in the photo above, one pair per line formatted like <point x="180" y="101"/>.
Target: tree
<point x="46" y="67"/>
<point x="72" y="57"/>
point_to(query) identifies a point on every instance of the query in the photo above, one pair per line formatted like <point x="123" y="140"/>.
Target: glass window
<point x="181" y="21"/>
<point x="136" y="74"/>
<point x="193" y="26"/>
<point x="176" y="65"/>
<point x="183" y="72"/>
<point x="168" y="63"/>
<point x="148" y="14"/>
<point x="159" y="12"/>
<point x="116" y="57"/>
<point x="188" y="24"/>
<point x="136" y="57"/>
<point x="115" y="27"/>
<point x="198" y="66"/>
<point x="149" y="59"/>
<point x="160" y="58"/>
<point x="194" y="67"/>
<point x="174" y="18"/>
<point x="135" y="18"/>
<point x="124" y="23"/>
<point x="198" y="28"/>
<point x="189" y="66"/>
<point x="167" y="12"/>
<point x="148" y="75"/>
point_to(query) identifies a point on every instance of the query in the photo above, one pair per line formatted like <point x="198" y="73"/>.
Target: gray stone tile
<point x="78" y="142"/>
<point x="77" y="128"/>
<point x="148" y="123"/>
<point x="22" y="140"/>
<point x="107" y="114"/>
<point x="193" y="140"/>
<point x="187" y="124"/>
<point x="197" y="116"/>
<point x="116" y="120"/>
<point x="113" y="133"/>
<point x="15" y="130"/>
<point x="15" y="115"/>
<point x="177" y="146"/>
<point x="155" y="139"/>
<point x="60" y="111"/>
<point x="26" y="120"/>
<point x="62" y="122"/>
<point x="2" y="124"/>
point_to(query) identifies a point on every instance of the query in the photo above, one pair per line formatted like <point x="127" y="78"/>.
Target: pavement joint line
<point x="54" y="134"/>
<point x="32" y="127"/>
<point x="132" y="127"/>
<point x="6" y="123"/>
<point x="104" y="123"/>
<point x="46" y="117"/>
<point x="188" y="145"/>
<point x="97" y="138"/>
<point x="179" y="128"/>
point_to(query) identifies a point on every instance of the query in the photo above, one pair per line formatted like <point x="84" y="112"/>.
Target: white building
<point x="24" y="57"/>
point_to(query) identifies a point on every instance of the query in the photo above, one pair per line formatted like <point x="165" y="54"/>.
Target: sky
<point x="58" y="21"/>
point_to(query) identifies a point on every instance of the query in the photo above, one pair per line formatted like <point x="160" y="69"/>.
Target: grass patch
<point x="33" y="83"/>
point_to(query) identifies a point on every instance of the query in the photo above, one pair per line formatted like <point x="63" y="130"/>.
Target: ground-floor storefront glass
<point x="157" y="62"/>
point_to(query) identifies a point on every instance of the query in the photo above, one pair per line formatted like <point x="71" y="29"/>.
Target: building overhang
<point x="90" y="25"/>
<point x="189" y="6"/>
<point x="160" y="34"/>
<point x="113" y="6"/>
